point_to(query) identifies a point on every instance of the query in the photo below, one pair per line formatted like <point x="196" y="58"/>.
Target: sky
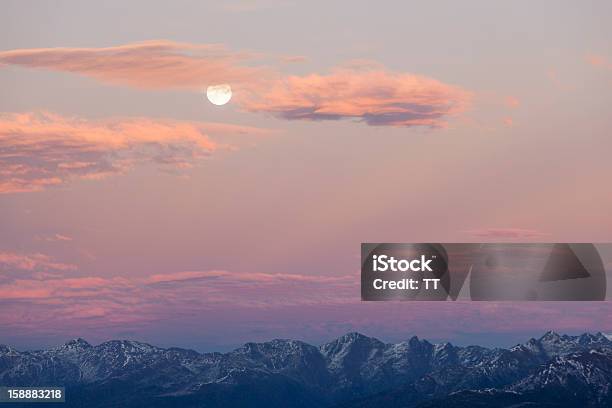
<point x="131" y="207"/>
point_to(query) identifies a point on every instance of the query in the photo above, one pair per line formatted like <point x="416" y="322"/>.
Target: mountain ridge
<point x="353" y="370"/>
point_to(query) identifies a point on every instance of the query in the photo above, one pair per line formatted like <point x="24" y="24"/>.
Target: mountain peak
<point x="353" y="336"/>
<point x="444" y="345"/>
<point x="417" y="344"/>
<point x="550" y="335"/>
<point x="132" y="345"/>
<point x="4" y="349"/>
<point x="77" y="343"/>
<point x="358" y="338"/>
<point x="351" y="343"/>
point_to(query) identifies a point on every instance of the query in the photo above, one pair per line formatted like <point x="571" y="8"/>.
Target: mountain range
<point x="352" y="371"/>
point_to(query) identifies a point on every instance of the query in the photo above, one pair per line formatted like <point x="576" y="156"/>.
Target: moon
<point x="219" y="94"/>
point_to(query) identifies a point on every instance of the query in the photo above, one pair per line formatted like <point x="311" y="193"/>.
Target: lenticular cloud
<point x="376" y="97"/>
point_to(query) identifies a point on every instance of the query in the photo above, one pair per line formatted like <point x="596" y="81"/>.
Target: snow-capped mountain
<point x="352" y="371"/>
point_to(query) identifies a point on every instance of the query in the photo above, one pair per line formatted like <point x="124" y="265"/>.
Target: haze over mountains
<point x="351" y="371"/>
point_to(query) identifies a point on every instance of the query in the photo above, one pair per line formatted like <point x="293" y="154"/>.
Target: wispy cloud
<point x="41" y="149"/>
<point x="251" y="305"/>
<point x="188" y="289"/>
<point x="11" y="261"/>
<point x="155" y="64"/>
<point x="66" y="297"/>
<point x="54" y="238"/>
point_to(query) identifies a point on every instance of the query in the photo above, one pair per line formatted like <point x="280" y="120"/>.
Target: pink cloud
<point x="512" y="102"/>
<point x="42" y="149"/>
<point x="364" y="91"/>
<point x="155" y="64"/>
<point x="189" y="287"/>
<point x="31" y="262"/>
<point x="375" y="96"/>
<point x="60" y="237"/>
<point x="239" y="304"/>
<point x="244" y="277"/>
<point x="54" y="238"/>
<point x="598" y="61"/>
<point x="42" y="304"/>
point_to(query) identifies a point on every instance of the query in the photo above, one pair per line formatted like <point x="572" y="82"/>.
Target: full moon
<point x="219" y="94"/>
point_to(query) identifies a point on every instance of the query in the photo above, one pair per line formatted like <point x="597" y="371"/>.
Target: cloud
<point x="362" y="90"/>
<point x="247" y="306"/>
<point x="31" y="262"/>
<point x="241" y="277"/>
<point x="30" y="266"/>
<point x="60" y="237"/>
<point x="184" y="286"/>
<point x="156" y="64"/>
<point x="508" y="233"/>
<point x="512" y="102"/>
<point x="54" y="238"/>
<point x="66" y="299"/>
<point x="41" y="149"/>
<point x="598" y="61"/>
<point x="375" y="96"/>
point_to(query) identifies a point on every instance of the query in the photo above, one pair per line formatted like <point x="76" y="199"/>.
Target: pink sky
<point x="132" y="207"/>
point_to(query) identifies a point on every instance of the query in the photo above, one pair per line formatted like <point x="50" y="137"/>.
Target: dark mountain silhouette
<point x="352" y="371"/>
